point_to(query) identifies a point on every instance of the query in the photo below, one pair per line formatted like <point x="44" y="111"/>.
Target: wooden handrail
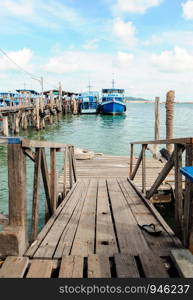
<point x="42" y="144"/>
<point x="187" y="140"/>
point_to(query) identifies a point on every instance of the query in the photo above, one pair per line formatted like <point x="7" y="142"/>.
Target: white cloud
<point x="124" y="58"/>
<point x="17" y="8"/>
<point x="188" y="9"/>
<point x="136" y="6"/>
<point x="22" y="57"/>
<point x="91" y="45"/>
<point x="178" y="60"/>
<point x="75" y="61"/>
<point x="51" y="13"/>
<point x="125" y="31"/>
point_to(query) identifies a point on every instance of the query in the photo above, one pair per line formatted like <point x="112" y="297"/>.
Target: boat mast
<point x="89" y="86"/>
<point x="113" y="81"/>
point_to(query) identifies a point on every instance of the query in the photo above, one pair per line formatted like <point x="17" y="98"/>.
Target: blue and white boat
<point x="112" y="101"/>
<point x="89" y="102"/>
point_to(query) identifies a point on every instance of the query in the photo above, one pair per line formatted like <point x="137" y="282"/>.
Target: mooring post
<point x="13" y="240"/>
<point x="157" y="125"/>
<point x="170" y="96"/>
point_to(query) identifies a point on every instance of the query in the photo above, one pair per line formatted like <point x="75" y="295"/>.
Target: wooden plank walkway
<point x="93" y="266"/>
<point x="108" y="166"/>
<point x="101" y="216"/>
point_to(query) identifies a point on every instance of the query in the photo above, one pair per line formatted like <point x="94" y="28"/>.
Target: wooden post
<point x="143" y="169"/>
<point x="131" y="159"/>
<point x="60" y="96"/>
<point x="36" y="190"/>
<point x="178" y="190"/>
<point x="136" y="166"/>
<point x="157" y="124"/>
<point x="5" y="125"/>
<point x="53" y="179"/>
<point x="37" y="113"/>
<point x="169" y="118"/>
<point x="188" y="204"/>
<point x="17" y="123"/>
<point x="13" y="240"/>
<point x="65" y="170"/>
<point x="74" y="164"/>
<point x="70" y="166"/>
<point x="45" y="177"/>
<point x="163" y="174"/>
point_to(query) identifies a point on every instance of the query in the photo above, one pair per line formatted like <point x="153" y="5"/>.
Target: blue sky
<point x="147" y="44"/>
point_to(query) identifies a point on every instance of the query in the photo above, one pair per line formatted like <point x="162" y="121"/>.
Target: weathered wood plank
<point x="45" y="177"/>
<point x="129" y="235"/>
<point x="126" y="266"/>
<point x="65" y="244"/>
<point x="152" y="265"/>
<point x="65" y="171"/>
<point x="41" y="144"/>
<point x="185" y="140"/>
<point x="33" y="248"/>
<point x="166" y="169"/>
<point x="144" y="147"/>
<point x="157" y="215"/>
<point x="71" y="267"/>
<point x="36" y="190"/>
<point x="131" y="159"/>
<point x="160" y="244"/>
<point x="14" y="267"/>
<point x="84" y="241"/>
<point x="137" y="165"/>
<point x="98" y="267"/>
<point x="53" y="179"/>
<point x="105" y="235"/>
<point x="188" y="203"/>
<point x="40" y="269"/>
<point x="178" y="190"/>
<point x="183" y="260"/>
<point x="17" y="185"/>
<point x="50" y="243"/>
<point x="70" y="166"/>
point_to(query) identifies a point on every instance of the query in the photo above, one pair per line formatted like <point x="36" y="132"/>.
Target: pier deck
<point x="96" y="231"/>
<point x="109" y="166"/>
<point x="98" y="221"/>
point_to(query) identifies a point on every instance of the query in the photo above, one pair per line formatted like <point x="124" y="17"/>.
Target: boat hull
<point x="112" y="108"/>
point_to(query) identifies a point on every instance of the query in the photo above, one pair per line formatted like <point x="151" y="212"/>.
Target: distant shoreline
<point x="151" y="102"/>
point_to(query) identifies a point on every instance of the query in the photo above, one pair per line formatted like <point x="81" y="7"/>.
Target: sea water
<point x="104" y="134"/>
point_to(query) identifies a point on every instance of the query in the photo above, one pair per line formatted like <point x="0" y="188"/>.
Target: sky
<point x="146" y="44"/>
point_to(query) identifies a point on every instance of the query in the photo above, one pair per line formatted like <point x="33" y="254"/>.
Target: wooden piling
<point x="5" y="125"/>
<point x="37" y="113"/>
<point x="170" y="96"/>
<point x="13" y="240"/>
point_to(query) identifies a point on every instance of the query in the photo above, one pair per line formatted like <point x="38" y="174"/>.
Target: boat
<point x="89" y="102"/>
<point x="112" y="101"/>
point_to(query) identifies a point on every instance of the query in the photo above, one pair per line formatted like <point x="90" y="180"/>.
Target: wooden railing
<point x="183" y="198"/>
<point x="18" y="149"/>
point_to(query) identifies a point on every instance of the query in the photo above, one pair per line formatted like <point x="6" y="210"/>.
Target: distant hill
<point x="135" y="99"/>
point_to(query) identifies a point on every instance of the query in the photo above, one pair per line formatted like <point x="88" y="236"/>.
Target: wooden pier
<point x="36" y="113"/>
<point x="96" y="228"/>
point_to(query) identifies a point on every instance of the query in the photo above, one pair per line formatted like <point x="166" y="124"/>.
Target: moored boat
<point x="89" y="102"/>
<point x="112" y="101"/>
